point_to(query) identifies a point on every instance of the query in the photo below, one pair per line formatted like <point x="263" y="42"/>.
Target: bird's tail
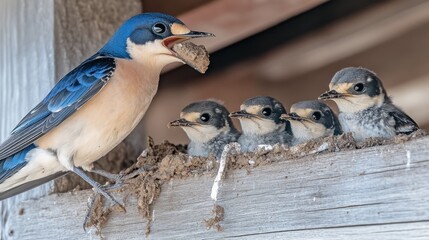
<point x="23" y="171"/>
<point x="14" y="163"/>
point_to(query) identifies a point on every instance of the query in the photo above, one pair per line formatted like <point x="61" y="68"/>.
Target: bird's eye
<point x="316" y="115"/>
<point x="358" y="87"/>
<point x="205" y="117"/>
<point x="159" y="28"/>
<point x="266" y="111"/>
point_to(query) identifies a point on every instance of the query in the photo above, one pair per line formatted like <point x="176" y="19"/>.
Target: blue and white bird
<point x="92" y="108"/>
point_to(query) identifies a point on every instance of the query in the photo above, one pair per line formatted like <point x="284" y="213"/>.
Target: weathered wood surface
<point x="373" y="193"/>
<point x="26" y="70"/>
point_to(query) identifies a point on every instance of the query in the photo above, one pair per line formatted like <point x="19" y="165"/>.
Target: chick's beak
<point x="291" y="116"/>
<point x="330" y="95"/>
<point x="241" y="114"/>
<point x="180" y="123"/>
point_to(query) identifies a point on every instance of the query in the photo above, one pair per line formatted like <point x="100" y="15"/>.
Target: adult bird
<point x="93" y="107"/>
<point x="365" y="109"/>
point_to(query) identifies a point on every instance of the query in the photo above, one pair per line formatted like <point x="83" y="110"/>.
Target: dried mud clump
<point x="99" y="214"/>
<point x="279" y="152"/>
<point x="372" y="142"/>
<point x="218" y="213"/>
<point x="158" y="164"/>
<point x="195" y="56"/>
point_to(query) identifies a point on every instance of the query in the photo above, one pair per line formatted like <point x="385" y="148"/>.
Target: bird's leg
<point x="92" y="200"/>
<point x="88" y="215"/>
<point x="118" y="178"/>
<point x="136" y="172"/>
<point x="98" y="188"/>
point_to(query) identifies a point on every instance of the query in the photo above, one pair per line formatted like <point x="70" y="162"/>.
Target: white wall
<point x="40" y="41"/>
<point x="26" y="70"/>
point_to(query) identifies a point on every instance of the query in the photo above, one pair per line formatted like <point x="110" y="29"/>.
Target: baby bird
<point x="365" y="109"/>
<point x="208" y="127"/>
<point x="311" y="119"/>
<point x="261" y="124"/>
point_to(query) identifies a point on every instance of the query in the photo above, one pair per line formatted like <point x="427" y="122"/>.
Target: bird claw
<point x="98" y="192"/>
<point x="88" y="215"/>
<point x="109" y="196"/>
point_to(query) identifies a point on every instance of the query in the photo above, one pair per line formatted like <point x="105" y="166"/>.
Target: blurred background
<point x="288" y="49"/>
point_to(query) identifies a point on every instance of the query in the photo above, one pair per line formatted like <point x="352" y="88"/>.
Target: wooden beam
<point x="232" y="21"/>
<point x="372" y="193"/>
<point x="26" y="72"/>
<point x="344" y="39"/>
<point x="40" y="42"/>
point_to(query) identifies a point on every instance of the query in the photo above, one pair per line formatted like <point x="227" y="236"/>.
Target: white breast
<point x="363" y="127"/>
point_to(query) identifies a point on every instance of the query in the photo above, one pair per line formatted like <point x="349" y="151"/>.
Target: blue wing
<point x="69" y="94"/>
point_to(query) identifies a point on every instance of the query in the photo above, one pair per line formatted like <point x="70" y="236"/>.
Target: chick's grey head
<point x="204" y="120"/>
<point x="260" y="116"/>
<point x="355" y="89"/>
<point x="312" y="119"/>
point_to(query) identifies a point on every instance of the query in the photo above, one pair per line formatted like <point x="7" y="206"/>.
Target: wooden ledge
<point x="373" y="193"/>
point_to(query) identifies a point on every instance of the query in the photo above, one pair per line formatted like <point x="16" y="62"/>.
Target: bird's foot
<point x="118" y="179"/>
<point x="87" y="222"/>
<point x="99" y="191"/>
<point x="97" y="187"/>
<point x="96" y="197"/>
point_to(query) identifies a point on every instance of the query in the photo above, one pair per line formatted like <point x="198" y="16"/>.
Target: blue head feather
<point x="139" y="30"/>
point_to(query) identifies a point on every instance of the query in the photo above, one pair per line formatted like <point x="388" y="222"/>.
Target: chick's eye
<point x="316" y="115"/>
<point x="205" y="117"/>
<point x="358" y="87"/>
<point x="266" y="111"/>
<point x="159" y="28"/>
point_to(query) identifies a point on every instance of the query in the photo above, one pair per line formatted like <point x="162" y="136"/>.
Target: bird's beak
<point x="180" y="123"/>
<point x="241" y="114"/>
<point x="195" y="34"/>
<point x="291" y="116"/>
<point x="331" y="95"/>
<point x="181" y="37"/>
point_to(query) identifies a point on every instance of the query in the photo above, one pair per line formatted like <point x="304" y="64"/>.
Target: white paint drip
<point x="221" y="171"/>
<point x="408" y="159"/>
